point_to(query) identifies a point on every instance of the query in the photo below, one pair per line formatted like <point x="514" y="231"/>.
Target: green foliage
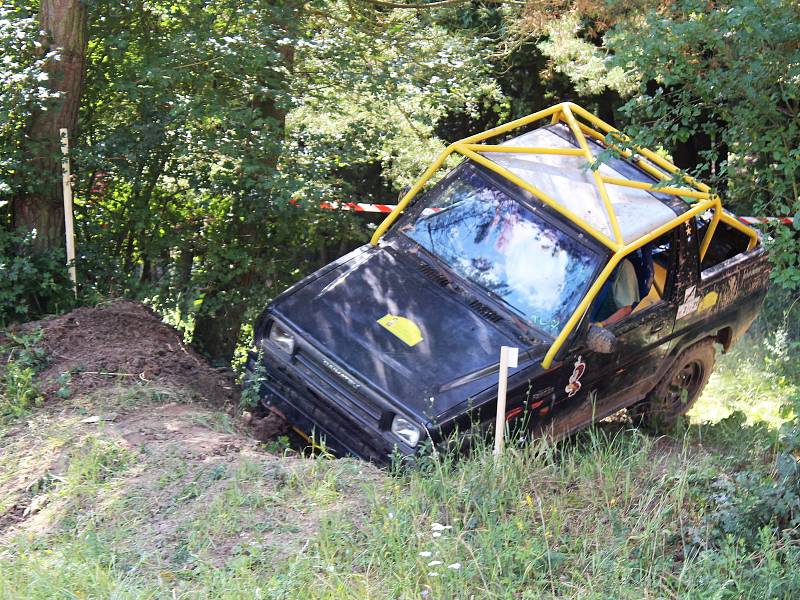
<point x="18" y="390"/>
<point x="584" y="63"/>
<point x="21" y="361"/>
<point x="760" y="381"/>
<point x="744" y="504"/>
<point x="375" y="90"/>
<point x="251" y="386"/>
<point x="729" y="76"/>
<point x="184" y="105"/>
<point x="32" y="283"/>
<point x="214" y="130"/>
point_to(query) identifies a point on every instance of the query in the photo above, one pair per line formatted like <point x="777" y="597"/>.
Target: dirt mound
<point x="167" y="486"/>
<point x="124" y="341"/>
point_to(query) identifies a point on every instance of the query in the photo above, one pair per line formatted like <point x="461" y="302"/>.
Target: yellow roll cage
<point x="582" y="123"/>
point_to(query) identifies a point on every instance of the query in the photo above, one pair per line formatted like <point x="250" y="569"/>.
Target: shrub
<point x="31" y="283"/>
<point x="745" y="504"/>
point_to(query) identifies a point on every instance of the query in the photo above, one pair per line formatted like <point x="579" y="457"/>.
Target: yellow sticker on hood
<point x="403" y="328"/>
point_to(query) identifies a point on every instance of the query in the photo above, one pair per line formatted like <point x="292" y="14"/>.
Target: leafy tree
<point x="730" y="74"/>
<point x="23" y="88"/>
<point x="33" y="281"/>
<point x="184" y="124"/>
<point x="211" y="132"/>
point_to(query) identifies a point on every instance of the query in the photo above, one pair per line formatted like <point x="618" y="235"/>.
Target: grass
<point x="20" y="360"/>
<point x="169" y="500"/>
<point x="605" y="517"/>
<point x="744" y="382"/>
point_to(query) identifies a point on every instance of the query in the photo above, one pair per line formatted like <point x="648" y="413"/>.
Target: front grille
<point x="329" y="383"/>
<point x="309" y="409"/>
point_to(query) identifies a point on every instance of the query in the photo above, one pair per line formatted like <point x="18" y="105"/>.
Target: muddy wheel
<point x="678" y="390"/>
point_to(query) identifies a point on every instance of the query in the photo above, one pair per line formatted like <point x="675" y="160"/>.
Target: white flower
<point x="432" y="574"/>
<point x="434" y="563"/>
<point x="425" y="554"/>
<point x="454" y="566"/>
<point x="439" y="527"/>
<point x="437" y="534"/>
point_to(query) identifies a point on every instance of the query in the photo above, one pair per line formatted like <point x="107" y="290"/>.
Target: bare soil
<point x="125" y="341"/>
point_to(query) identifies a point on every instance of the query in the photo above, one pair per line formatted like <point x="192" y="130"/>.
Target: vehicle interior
<point x="661" y="252"/>
<point x="651" y="264"/>
<point x="726" y="243"/>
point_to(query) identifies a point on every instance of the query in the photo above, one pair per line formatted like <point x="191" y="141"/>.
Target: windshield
<point x="490" y="239"/>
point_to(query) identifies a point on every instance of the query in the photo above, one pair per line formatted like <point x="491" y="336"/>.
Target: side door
<point x="644" y="336"/>
<point x="589" y="386"/>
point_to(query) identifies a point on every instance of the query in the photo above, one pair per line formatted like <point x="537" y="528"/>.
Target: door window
<point x="641" y="280"/>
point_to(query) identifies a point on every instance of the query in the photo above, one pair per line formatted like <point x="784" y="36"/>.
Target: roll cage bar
<point x="582" y="123"/>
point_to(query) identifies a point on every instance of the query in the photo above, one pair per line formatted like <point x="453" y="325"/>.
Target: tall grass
<point x="605" y="516"/>
<point x="610" y="513"/>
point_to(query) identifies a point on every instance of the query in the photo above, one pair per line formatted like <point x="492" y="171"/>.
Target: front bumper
<point x="320" y="408"/>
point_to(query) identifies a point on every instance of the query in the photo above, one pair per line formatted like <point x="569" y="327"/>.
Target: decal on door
<point x="574" y="384"/>
<point x="709" y="300"/>
<point x="692" y="302"/>
<point x="403" y="328"/>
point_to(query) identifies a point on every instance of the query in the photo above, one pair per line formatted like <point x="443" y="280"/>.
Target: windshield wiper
<point x="498" y="298"/>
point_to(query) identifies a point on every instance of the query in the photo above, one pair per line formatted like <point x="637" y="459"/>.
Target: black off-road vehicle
<point x="614" y="274"/>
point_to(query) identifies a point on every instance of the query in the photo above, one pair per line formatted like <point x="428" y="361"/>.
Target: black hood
<point x="338" y="312"/>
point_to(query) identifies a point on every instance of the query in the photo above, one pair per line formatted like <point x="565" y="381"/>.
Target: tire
<point x="677" y="390"/>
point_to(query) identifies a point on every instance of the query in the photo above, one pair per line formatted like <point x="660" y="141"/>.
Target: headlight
<point x="405" y="430"/>
<point x="282" y="338"/>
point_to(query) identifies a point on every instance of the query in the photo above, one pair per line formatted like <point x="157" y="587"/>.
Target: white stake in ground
<point x="508" y="358"/>
<point x="69" y="227"/>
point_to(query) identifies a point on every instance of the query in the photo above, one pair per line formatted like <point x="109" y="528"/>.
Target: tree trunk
<point x="217" y="333"/>
<point x="40" y="206"/>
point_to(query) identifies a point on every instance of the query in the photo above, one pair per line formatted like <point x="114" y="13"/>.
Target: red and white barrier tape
<point x="362" y="207"/>
<point x="359" y="207"/>
<point x="765" y="220"/>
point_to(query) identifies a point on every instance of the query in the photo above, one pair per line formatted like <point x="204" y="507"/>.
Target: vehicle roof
<point x="569" y="181"/>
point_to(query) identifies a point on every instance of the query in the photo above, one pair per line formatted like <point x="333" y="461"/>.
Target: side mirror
<point x="601" y="340"/>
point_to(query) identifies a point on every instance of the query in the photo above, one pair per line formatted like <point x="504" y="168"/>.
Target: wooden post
<point x="508" y="358"/>
<point x="69" y="227"/>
